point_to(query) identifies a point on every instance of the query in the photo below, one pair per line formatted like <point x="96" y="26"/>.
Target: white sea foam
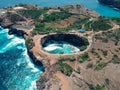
<point x="14" y="42"/>
<point x="52" y="47"/>
<point x="60" y="46"/>
<point x="29" y="62"/>
<point x="33" y="85"/>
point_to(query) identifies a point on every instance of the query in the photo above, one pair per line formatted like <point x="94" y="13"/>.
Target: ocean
<point x="91" y="4"/>
<point x="17" y="71"/>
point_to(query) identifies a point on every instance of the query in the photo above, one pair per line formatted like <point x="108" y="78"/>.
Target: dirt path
<point x="64" y="81"/>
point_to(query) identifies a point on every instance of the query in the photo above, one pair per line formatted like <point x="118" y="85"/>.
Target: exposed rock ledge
<point x="70" y="38"/>
<point x="46" y="80"/>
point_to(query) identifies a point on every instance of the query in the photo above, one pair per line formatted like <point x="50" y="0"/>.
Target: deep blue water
<point x="91" y="4"/>
<point x="17" y="71"/>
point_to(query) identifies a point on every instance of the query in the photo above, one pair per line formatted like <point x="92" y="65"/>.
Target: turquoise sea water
<point x="17" y="71"/>
<point x="60" y="47"/>
<point x="91" y="4"/>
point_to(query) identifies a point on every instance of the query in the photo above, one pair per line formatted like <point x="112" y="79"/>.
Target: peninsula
<point x="94" y="67"/>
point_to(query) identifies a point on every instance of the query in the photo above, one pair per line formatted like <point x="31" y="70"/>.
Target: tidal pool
<point x="60" y="47"/>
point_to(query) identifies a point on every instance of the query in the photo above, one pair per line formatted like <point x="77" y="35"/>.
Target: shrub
<point x="82" y="48"/>
<point x="89" y="65"/>
<point x="15" y="17"/>
<point x="32" y="13"/>
<point x="67" y="59"/>
<point x="40" y="28"/>
<point x="100" y="65"/>
<point x="79" y="70"/>
<point x="104" y="52"/>
<point x="101" y="24"/>
<point x="115" y="59"/>
<point x="55" y="16"/>
<point x="83" y="58"/>
<point x="65" y="68"/>
<point x="29" y="43"/>
<point x="97" y="87"/>
<point x="107" y="81"/>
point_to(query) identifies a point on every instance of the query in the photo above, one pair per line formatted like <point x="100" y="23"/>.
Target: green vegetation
<point x="105" y="53"/>
<point x="84" y="57"/>
<point x="15" y="17"/>
<point x="113" y="35"/>
<point x="21" y="4"/>
<point x="65" y="68"/>
<point x="29" y="43"/>
<point x="42" y="29"/>
<point x="75" y="26"/>
<point x="78" y="24"/>
<point x="82" y="48"/>
<point x="56" y="15"/>
<point x="67" y="59"/>
<point x="101" y="24"/>
<point x="89" y="65"/>
<point x="78" y="70"/>
<point x="107" y="81"/>
<point x="88" y="25"/>
<point x="32" y="13"/>
<point x="96" y="54"/>
<point x="97" y="87"/>
<point x="115" y="59"/>
<point x="100" y="65"/>
<point x="116" y="20"/>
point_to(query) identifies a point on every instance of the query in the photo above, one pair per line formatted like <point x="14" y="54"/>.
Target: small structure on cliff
<point x="82" y="31"/>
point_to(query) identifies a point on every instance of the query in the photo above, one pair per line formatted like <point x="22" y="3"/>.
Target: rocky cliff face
<point x="114" y="3"/>
<point x="70" y="38"/>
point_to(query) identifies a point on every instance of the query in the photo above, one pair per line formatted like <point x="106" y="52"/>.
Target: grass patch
<point x="29" y="43"/>
<point x="84" y="57"/>
<point x="89" y="65"/>
<point x="100" y="65"/>
<point x="65" y="68"/>
<point x="32" y="13"/>
<point x="115" y="59"/>
<point x="97" y="87"/>
<point x="67" y="59"/>
<point x="105" y="53"/>
<point x="55" y="16"/>
<point x="101" y="24"/>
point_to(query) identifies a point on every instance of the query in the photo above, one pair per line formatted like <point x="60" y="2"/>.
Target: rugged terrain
<point x="95" y="68"/>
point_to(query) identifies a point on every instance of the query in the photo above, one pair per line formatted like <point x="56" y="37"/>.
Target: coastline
<point x="49" y="78"/>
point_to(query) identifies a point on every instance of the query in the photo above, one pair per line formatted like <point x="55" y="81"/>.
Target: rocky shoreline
<point x="48" y="70"/>
<point x="73" y="39"/>
<point x="20" y="27"/>
<point x="52" y="79"/>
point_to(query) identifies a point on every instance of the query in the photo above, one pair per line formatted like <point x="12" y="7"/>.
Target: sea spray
<point x="17" y="71"/>
<point x="60" y="47"/>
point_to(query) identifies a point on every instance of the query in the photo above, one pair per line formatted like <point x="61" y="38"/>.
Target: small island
<point x="91" y="68"/>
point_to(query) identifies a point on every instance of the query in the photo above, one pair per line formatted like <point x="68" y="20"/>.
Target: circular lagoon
<point x="63" y="43"/>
